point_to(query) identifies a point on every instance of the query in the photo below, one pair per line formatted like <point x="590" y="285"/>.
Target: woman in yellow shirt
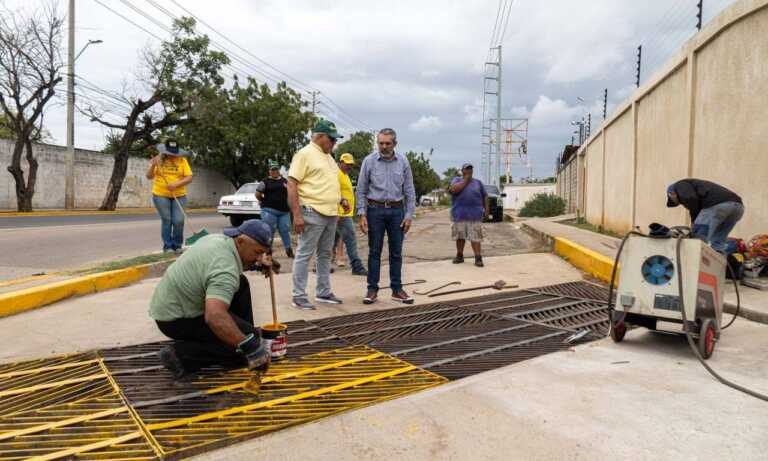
<point x="171" y="173"/>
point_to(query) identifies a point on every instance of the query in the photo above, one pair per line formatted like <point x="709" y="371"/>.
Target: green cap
<point x="273" y="165"/>
<point x="326" y="127"/>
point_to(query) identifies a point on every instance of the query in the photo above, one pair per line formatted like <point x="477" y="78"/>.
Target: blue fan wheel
<point x="658" y="270"/>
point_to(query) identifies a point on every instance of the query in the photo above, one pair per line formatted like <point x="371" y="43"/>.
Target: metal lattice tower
<point x="491" y="127"/>
<point x="514" y="145"/>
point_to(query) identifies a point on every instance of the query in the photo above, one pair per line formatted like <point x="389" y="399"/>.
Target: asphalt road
<point x="30" y="245"/>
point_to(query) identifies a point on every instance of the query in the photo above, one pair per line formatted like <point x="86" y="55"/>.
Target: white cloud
<point x="426" y="124"/>
<point x="473" y="113"/>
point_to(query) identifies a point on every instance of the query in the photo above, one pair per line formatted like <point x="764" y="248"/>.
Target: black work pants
<point x="197" y="346"/>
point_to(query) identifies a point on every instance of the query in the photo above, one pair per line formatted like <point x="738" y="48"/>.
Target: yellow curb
<point x="124" y="211"/>
<point x="589" y="261"/>
<point x="32" y="298"/>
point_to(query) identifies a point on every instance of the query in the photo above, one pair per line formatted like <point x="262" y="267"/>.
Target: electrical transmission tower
<point x="491" y="128"/>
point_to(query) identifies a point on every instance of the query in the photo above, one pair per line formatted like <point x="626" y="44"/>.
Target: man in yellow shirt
<point x="314" y="196"/>
<point x="346" y="224"/>
<point x="171" y="174"/>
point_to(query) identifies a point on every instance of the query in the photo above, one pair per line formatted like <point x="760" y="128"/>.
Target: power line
<point x="506" y="21"/>
<point x="125" y="18"/>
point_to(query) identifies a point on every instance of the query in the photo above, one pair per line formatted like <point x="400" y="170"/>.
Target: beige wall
<point x="594" y="196"/>
<point x="662" y="149"/>
<point x="731" y="117"/>
<point x="619" y="171"/>
<point x="703" y="114"/>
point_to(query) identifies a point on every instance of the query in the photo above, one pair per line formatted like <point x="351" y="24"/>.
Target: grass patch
<point x="123" y="263"/>
<point x="582" y="223"/>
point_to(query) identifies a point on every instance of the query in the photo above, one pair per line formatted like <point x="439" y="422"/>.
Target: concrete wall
<point x="702" y="114"/>
<point x="92" y="172"/>
<point x="517" y="195"/>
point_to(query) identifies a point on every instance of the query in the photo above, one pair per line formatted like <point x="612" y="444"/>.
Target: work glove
<point x="254" y="349"/>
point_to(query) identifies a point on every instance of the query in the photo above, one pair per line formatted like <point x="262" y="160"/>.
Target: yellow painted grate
<point x="73" y="407"/>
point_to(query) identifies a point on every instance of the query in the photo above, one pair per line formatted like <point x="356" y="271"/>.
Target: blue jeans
<point x="381" y="220"/>
<point x="713" y="224"/>
<point x="280" y="221"/>
<point x="171" y="221"/>
<point x="346" y="229"/>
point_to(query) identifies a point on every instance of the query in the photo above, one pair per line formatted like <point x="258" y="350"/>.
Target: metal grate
<point x="121" y="403"/>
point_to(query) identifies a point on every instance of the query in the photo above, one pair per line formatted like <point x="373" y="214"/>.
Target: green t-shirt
<point x="210" y="268"/>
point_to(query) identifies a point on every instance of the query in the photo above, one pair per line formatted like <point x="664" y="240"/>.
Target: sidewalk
<point x="754" y="303"/>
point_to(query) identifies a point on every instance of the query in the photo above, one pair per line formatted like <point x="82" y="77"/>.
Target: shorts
<point x="467" y="230"/>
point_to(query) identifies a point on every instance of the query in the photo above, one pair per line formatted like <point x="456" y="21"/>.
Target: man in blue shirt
<point x="386" y="200"/>
<point x="468" y="206"/>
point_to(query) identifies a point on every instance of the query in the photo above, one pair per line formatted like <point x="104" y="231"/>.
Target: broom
<point x="195" y="235"/>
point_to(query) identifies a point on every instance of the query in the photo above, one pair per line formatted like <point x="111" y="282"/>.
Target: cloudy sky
<point x="416" y="66"/>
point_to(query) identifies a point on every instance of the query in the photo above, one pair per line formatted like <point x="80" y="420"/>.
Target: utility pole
<point x="69" y="180"/>
<point x="314" y="100"/>
<point x="496" y="177"/>
<point x="639" y="63"/>
<point x="699" y="14"/>
<point x="605" y="103"/>
<point x="589" y="125"/>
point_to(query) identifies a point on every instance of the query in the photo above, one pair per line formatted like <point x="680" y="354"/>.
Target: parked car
<point x="426" y="201"/>
<point x="496" y="205"/>
<point x="242" y="205"/>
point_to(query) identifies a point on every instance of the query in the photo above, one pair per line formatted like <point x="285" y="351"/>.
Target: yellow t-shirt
<point x="170" y="170"/>
<point x="346" y="193"/>
<point x="318" y="179"/>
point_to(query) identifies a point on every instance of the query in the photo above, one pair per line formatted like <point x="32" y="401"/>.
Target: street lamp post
<point x="69" y="181"/>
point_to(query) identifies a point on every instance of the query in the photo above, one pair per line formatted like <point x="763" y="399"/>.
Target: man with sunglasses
<point x="314" y="196"/>
<point x="386" y="200"/>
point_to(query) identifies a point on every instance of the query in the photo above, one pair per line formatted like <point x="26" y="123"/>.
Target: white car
<point x="242" y="205"/>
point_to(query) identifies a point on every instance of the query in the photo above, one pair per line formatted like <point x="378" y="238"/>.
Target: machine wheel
<point x="618" y="330"/>
<point x="707" y="338"/>
<point x="235" y="220"/>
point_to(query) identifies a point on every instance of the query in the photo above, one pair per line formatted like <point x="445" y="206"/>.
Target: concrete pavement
<point x="121" y="314"/>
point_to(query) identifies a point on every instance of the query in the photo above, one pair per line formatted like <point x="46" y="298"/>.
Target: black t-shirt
<point x="697" y="194"/>
<point x="275" y="194"/>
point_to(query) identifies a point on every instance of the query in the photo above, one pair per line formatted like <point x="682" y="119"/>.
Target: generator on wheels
<point x="668" y="280"/>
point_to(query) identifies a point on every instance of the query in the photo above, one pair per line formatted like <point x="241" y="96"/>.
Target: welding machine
<point x="649" y="291"/>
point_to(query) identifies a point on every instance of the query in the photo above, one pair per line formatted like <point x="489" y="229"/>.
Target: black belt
<point x="376" y="203"/>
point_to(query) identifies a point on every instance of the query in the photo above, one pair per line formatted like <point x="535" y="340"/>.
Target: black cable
<point x="690" y="338"/>
<point x="738" y="297"/>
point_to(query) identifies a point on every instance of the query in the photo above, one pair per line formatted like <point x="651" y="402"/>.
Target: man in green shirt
<point x="203" y="302"/>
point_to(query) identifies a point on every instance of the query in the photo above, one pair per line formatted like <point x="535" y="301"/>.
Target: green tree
<point x="237" y="131"/>
<point x="425" y="179"/>
<point x="6" y="129"/>
<point x="177" y="76"/>
<point x="449" y="174"/>
<point x="359" y="144"/>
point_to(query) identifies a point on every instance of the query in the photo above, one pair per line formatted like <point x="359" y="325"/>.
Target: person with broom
<point x="203" y="302"/>
<point x="171" y="174"/>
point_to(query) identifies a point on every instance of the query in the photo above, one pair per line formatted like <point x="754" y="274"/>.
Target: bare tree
<point x="173" y="79"/>
<point x="30" y="69"/>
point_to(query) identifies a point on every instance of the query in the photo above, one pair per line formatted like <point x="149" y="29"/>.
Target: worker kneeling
<point x="203" y="302"/>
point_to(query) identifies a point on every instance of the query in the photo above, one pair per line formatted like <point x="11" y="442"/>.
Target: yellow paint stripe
<point x="63" y="422"/>
<point x="156" y="447"/>
<point x="288" y="399"/>
<point x="92" y="446"/>
<point x="39" y="387"/>
<point x="34" y="297"/>
<point x="594" y="263"/>
<point x="30" y="278"/>
<point x="124" y="211"/>
<point x="295" y="374"/>
<point x="31" y="371"/>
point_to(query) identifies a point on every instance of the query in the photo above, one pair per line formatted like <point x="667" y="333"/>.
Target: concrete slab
<point x="646" y="398"/>
<point x="119" y="317"/>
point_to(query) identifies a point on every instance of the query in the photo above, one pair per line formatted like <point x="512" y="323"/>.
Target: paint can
<point x="276" y="337"/>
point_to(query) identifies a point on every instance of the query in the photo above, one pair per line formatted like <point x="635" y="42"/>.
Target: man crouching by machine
<point x="203" y="302"/>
